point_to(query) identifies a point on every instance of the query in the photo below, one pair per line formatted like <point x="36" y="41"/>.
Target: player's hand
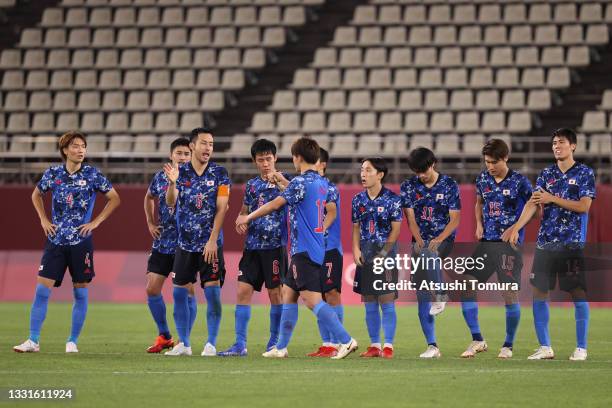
<point x="434" y="244"/>
<point x="542" y="197"/>
<point x="358" y="258"/>
<point x="210" y="252"/>
<point x="171" y="171"/>
<point x="48" y="227"/>
<point x="419" y="244"/>
<point x="278" y="179"/>
<point x="242" y="220"/>
<point x="505" y="236"/>
<point x="154" y="230"/>
<point x="479" y="231"/>
<point x="86" y="229"/>
<point x="242" y="229"/>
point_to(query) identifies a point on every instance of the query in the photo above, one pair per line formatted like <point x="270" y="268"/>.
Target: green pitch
<point x="112" y="368"/>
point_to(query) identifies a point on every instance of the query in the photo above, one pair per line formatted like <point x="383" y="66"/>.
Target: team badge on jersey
<point x="506" y="192"/>
<point x="381" y="209"/>
<point x="210" y="183"/>
<point x="572" y="182"/>
<point x="439" y="196"/>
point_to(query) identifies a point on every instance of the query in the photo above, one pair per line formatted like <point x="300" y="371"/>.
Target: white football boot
<point x="27" y="346"/>
<point x="542" y="353"/>
<point x="276" y="353"/>
<point x="580" y="354"/>
<point x="431" y="352"/>
<point x="179" y="350"/>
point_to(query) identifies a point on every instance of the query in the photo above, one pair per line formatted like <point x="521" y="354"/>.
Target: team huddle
<point x="300" y="214"/>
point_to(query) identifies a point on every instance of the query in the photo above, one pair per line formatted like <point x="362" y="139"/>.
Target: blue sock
<point x="181" y="314"/>
<point x="427" y="322"/>
<point x="158" y="311"/>
<point x="276" y="311"/>
<point x="327" y="314"/>
<point x="581" y="314"/>
<point x="541" y="316"/>
<point x="435" y="274"/>
<point x="326" y="335"/>
<point x="288" y="321"/>
<point x="79" y="312"/>
<point x="39" y="311"/>
<point x="513" y="317"/>
<point x="470" y="314"/>
<point x="242" y="316"/>
<point x="192" y="302"/>
<point x="389" y="321"/>
<point x="373" y="321"/>
<point x="339" y="309"/>
<point x="213" y="312"/>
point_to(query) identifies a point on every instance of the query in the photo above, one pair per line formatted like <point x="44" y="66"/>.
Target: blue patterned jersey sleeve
<point x="525" y="189"/>
<point x="541" y="181"/>
<point x="295" y="191"/>
<point x="332" y="194"/>
<point x="100" y="182"/>
<point x="406" y="194"/>
<point x="396" y="210"/>
<point x="454" y="202"/>
<point x="153" y="187"/>
<point x="248" y="195"/>
<point x="223" y="178"/>
<point x="587" y="183"/>
<point x="46" y="181"/>
<point x="355" y="210"/>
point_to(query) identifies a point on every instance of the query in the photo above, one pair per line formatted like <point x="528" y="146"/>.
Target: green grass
<point x="113" y="369"/>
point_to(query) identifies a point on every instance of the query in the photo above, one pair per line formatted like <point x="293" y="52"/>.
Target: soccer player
<point x="376" y="214"/>
<point x="332" y="264"/>
<point x="73" y="187"/>
<point x="432" y="206"/>
<point x="200" y="191"/>
<point x="164" y="236"/>
<point x="305" y="195"/>
<point x="501" y="194"/>
<point x="565" y="190"/>
<point x="264" y="259"/>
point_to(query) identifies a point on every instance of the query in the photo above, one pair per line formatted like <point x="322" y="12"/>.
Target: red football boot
<point x="387" y="352"/>
<point x="371" y="352"/>
<point x="160" y="343"/>
<point x="329" y="352"/>
<point x="317" y="353"/>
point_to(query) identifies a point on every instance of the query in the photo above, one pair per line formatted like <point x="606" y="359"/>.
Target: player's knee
<point x="333" y="297"/>
<point x="510" y="297"/>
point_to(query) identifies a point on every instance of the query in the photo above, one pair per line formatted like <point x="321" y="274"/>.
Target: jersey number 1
<point x="320" y="216"/>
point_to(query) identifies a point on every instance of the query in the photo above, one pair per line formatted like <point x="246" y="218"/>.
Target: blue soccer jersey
<point x="561" y="228"/>
<point x="375" y="217"/>
<point x="333" y="238"/>
<point x="431" y="205"/>
<point x="73" y="198"/>
<point x="166" y="243"/>
<point x="197" y="204"/>
<point x="503" y="202"/>
<point x="267" y="232"/>
<point x="306" y="195"/>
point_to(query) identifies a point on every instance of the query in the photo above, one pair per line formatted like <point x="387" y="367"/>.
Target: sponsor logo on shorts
<point x="532" y="276"/>
<point x="240" y="273"/>
<point x="40" y="268"/>
<point x="172" y="275"/>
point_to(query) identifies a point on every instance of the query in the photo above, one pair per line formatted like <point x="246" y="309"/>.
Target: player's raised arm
<point x="172" y="174"/>
<point x="264" y="210"/>
<point x="149" y="210"/>
<point x="112" y="203"/>
<point x="48" y="227"/>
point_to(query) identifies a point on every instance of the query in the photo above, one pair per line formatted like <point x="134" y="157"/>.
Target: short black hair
<point x="567" y="133"/>
<point x="379" y="164"/>
<point x="181" y="141"/>
<point x="420" y="159"/>
<point x="263" y="146"/>
<point x="307" y="148"/>
<point x="197" y="131"/>
<point x="324" y="155"/>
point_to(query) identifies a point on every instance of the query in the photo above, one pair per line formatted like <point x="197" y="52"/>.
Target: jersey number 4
<point x="320" y="216"/>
